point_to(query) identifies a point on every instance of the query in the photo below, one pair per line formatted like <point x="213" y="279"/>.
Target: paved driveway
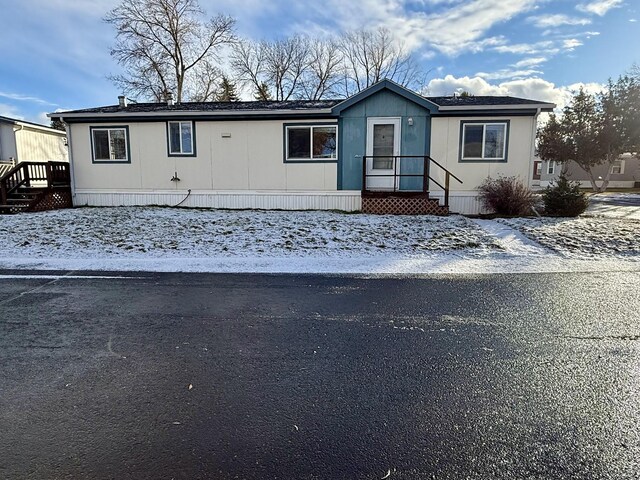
<point x="318" y="377"/>
<point x="622" y="205"/>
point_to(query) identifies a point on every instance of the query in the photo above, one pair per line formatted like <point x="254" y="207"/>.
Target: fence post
<point x="446" y="189"/>
<point x="49" y="176"/>
<point x="364" y="173"/>
<point x="396" y="180"/>
<point x="425" y="175"/>
<point x="3" y="193"/>
<point x="27" y="175"/>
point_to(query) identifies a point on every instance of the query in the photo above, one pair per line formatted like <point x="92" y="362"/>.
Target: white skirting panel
<point x="347" y="201"/>
<point x="466" y="203"/>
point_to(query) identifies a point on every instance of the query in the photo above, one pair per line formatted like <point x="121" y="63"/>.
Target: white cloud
<point x="633" y="20"/>
<point x="557" y="20"/>
<point x="25" y="98"/>
<point x="530" y="62"/>
<point x="507" y="73"/>
<point x="571" y="44"/>
<point x="528" y="48"/>
<point x="599" y="7"/>
<point x="532" y="88"/>
<point x="10" y="111"/>
<point x="457" y="27"/>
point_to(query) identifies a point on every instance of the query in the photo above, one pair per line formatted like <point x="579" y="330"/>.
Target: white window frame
<point x="620" y="165"/>
<point x="551" y="167"/>
<point x="111" y="158"/>
<point x="311" y="158"/>
<point x="181" y="153"/>
<point x="484" y="125"/>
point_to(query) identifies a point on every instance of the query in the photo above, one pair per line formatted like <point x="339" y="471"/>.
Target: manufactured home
<point x="22" y="141"/>
<point x="623" y="172"/>
<point x="384" y="150"/>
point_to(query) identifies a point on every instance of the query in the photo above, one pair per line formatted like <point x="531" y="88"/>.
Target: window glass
<point x="118" y="144"/>
<point x="473" y="141"/>
<point x="383" y="144"/>
<point x="299" y="143"/>
<point x="324" y="142"/>
<point x="101" y="145"/>
<point x="551" y="168"/>
<point x="110" y="144"/>
<point x="186" y="137"/>
<point x="494" y="141"/>
<point x="174" y="137"/>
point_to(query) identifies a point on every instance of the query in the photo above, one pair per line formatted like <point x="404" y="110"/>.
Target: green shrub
<point x="564" y="199"/>
<point x="506" y="196"/>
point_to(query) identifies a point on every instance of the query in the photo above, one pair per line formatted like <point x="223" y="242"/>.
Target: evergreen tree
<point x="263" y="93"/>
<point x="58" y="124"/>
<point x="227" y="91"/>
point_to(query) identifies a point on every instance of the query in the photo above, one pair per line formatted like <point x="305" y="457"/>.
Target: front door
<point x="383" y="144"/>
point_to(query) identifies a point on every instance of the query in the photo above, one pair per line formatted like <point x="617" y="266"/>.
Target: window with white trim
<point x="484" y="141"/>
<point x="181" y="138"/>
<point x="110" y="144"/>
<point x="311" y="142"/>
<point x="551" y="168"/>
<point x="617" y="167"/>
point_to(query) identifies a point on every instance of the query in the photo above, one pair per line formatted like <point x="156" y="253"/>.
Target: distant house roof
<point x="37" y="126"/>
<point x="293" y="108"/>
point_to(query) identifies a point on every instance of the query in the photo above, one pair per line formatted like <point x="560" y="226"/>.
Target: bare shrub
<point x="507" y="196"/>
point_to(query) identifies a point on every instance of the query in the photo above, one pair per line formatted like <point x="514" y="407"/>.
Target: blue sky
<point x="56" y="52"/>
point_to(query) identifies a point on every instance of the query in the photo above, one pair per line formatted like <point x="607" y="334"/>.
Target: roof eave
<point x="523" y="106"/>
<point x="193" y="113"/>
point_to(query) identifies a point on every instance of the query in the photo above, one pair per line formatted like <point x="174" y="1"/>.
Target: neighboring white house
<point x="22" y="141"/>
<point x="384" y="149"/>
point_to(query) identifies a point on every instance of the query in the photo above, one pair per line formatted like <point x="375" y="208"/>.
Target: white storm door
<point x="383" y="144"/>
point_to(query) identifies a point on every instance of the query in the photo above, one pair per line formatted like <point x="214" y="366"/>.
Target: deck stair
<point x="35" y="186"/>
<point x="406" y="192"/>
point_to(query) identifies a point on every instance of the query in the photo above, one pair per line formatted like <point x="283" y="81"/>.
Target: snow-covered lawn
<point x="583" y="236"/>
<point x="171" y="232"/>
<point x="166" y="239"/>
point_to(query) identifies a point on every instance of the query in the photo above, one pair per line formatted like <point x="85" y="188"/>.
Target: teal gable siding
<point x="415" y="140"/>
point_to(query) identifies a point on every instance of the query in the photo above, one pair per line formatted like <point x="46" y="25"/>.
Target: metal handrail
<point x="425" y="175"/>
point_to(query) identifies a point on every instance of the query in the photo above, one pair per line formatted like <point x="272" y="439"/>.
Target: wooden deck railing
<point x="34" y="174"/>
<point x="424" y="176"/>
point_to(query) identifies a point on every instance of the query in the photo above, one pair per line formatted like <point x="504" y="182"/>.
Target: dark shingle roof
<point x="289" y="105"/>
<point x="481" y="101"/>
<point x="213" y="106"/>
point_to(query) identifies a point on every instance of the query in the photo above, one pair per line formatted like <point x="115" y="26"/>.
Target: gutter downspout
<point x="15" y="139"/>
<point x="71" y="169"/>
<point x="533" y="148"/>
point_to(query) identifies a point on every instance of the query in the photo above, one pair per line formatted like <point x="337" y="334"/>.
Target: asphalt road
<point x="318" y="377"/>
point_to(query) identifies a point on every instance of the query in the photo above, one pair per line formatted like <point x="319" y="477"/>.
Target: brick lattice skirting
<point x="53" y="200"/>
<point x="403" y="206"/>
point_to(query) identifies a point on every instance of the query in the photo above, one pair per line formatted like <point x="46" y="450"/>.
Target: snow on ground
<point x="583" y="236"/>
<point x="189" y="240"/>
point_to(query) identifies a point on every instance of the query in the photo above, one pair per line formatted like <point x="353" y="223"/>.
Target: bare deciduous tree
<point x="322" y="76"/>
<point x="373" y="55"/>
<point x="159" y="42"/>
<point x="286" y="61"/>
<point x="247" y="62"/>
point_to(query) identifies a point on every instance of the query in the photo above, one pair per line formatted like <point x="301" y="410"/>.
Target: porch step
<point x="402" y="205"/>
